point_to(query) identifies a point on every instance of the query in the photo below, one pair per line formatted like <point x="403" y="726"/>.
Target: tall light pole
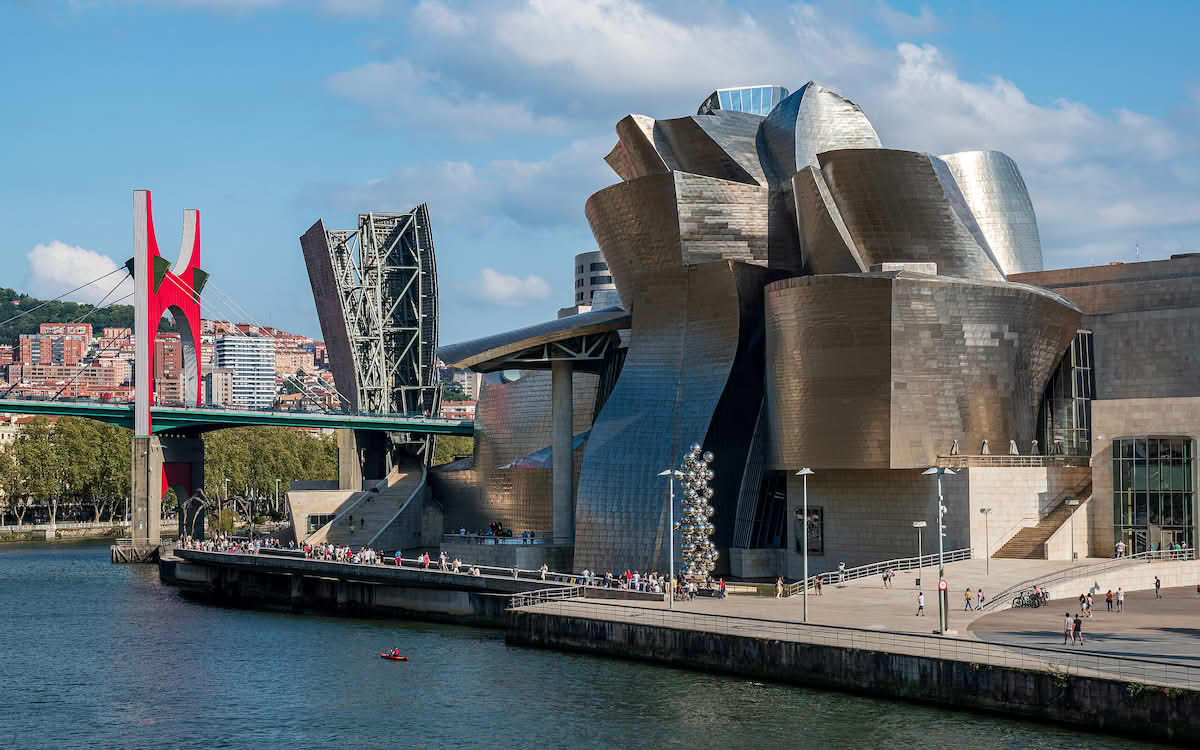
<point x="672" y="475"/>
<point x="918" y="525"/>
<point x="1073" y="502"/>
<point x="805" y="472"/>
<point x="939" y="471"/>
<point x="276" y="495"/>
<point x="987" y="545"/>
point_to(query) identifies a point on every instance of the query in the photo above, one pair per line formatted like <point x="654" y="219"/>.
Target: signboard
<point x="941" y="585"/>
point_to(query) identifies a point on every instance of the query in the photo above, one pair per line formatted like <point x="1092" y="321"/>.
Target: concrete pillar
<point x="146" y="469"/>
<point x="349" y="462"/>
<point x="187" y="451"/>
<point x="561" y="438"/>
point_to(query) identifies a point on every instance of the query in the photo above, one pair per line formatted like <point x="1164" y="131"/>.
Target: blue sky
<point x="268" y="114"/>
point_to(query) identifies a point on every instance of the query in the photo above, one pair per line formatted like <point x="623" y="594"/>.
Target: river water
<point x="99" y="655"/>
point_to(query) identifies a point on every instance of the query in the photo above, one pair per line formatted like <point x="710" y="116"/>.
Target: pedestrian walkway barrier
<point x="1056" y="661"/>
<point x="528" y="598"/>
<point x="1000" y="600"/>
<point x="877" y="568"/>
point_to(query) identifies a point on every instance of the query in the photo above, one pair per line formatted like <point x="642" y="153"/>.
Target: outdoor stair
<point x="374" y="510"/>
<point x="1030" y="542"/>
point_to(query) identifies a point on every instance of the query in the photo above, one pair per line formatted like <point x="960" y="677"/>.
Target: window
<point x="599" y="267"/>
<point x="726" y="100"/>
<point x="600" y="280"/>
<point x="756" y="101"/>
<point x="1153" y="492"/>
<point x="317" y="521"/>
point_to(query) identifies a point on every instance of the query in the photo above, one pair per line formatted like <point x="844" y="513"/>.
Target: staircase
<point x="376" y="509"/>
<point x="1030" y="542"/>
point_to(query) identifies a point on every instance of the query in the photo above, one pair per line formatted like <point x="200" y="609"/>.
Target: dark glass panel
<point x="1139" y="448"/>
<point x="1154" y="500"/>
<point x="1139" y="509"/>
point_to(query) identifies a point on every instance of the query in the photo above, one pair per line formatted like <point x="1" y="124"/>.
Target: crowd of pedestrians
<point x="226" y="543"/>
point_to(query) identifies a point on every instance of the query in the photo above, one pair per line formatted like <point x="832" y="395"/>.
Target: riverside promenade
<point x="862" y="637"/>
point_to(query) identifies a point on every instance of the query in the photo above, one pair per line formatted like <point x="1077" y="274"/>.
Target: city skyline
<point x="505" y="143"/>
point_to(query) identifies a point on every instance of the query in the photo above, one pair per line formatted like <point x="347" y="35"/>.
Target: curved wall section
<point x="885" y="371"/>
<point x="994" y="190"/>
<point x="811" y="120"/>
<point x="512" y="419"/>
<point x="896" y="209"/>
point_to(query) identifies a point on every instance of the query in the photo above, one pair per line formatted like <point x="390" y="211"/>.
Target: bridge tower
<point x="161" y="287"/>
<point x="377" y="301"/>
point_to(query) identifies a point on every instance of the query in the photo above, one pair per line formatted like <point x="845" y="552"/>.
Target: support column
<point x="562" y="410"/>
<point x="146" y="489"/>
<point x="183" y="469"/>
<point x="350" y="476"/>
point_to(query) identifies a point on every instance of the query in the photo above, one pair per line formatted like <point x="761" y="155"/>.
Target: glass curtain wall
<point x="1154" y="492"/>
<point x="1065" y="417"/>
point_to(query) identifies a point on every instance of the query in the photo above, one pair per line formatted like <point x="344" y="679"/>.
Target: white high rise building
<point x="591" y="275"/>
<point x="252" y="360"/>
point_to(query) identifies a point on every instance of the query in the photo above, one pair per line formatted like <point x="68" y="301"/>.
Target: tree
<point x="446" y="447"/>
<point x="170" y="502"/>
<point x="10" y="486"/>
<point x="39" y="463"/>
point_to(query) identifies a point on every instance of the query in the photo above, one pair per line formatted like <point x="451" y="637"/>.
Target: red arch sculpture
<point x="161" y="287"/>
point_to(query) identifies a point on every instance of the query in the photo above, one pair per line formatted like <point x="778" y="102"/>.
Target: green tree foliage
<point x="110" y="316"/>
<point x="446" y="447"/>
<point x="252" y="458"/>
<point x="454" y="392"/>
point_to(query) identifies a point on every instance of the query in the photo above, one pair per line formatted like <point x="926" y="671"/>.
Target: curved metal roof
<point x="497" y="351"/>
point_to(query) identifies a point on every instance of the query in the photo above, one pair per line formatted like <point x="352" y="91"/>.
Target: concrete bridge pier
<point x="158" y="463"/>
<point x="363" y="455"/>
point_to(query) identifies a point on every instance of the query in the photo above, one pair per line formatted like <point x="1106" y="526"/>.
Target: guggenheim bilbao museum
<point x="791" y="294"/>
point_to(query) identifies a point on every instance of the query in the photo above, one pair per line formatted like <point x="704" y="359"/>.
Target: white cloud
<point x="903" y="24"/>
<point x="435" y="17"/>
<point x="502" y="289"/>
<point x="390" y="89"/>
<point x="56" y="267"/>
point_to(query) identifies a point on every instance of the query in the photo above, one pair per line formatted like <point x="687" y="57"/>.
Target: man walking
<point x="1120" y="600"/>
<point x="1157" y="588"/>
<point x="1067" y="627"/>
<point x="1078" y="630"/>
<point x="920" y="603"/>
<point x="979" y="600"/>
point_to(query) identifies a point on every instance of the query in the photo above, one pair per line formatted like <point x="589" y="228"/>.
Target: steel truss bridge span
<point x="168" y="419"/>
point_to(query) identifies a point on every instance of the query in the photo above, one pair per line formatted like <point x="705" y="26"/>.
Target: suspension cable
<point x="23" y="313"/>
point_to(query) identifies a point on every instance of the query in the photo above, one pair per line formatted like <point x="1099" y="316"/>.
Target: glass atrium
<point x="1154" y="492"/>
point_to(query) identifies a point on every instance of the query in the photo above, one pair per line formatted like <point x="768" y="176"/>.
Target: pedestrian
<point x="841" y="574"/>
<point x="1077" y="630"/>
<point x="1157" y="588"/>
<point x="920" y="603"/>
<point x="1090" y="604"/>
<point x="821" y="579"/>
<point x="968" y="596"/>
<point x="1108" y="600"/>
<point x="779" y="587"/>
<point x="1120" y="549"/>
<point x="1067" y="627"/>
<point x="979" y="600"/>
<point x="1120" y="600"/>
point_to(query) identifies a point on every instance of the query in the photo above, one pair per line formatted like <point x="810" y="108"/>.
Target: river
<point x="104" y="656"/>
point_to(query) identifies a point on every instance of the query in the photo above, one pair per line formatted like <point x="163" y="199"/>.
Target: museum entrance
<point x="1154" y="481"/>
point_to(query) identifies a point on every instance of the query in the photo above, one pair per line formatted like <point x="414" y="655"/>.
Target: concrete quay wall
<point x="1104" y="705"/>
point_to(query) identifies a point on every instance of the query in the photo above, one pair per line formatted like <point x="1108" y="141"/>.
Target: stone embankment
<point x="1054" y="694"/>
<point x="66" y="531"/>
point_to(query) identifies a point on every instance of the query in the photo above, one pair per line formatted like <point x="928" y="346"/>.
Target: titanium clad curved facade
<point x="720" y="145"/>
<point x="810" y="121"/>
<point x="897" y="209"/>
<point x="828" y="246"/>
<point x="696" y="332"/>
<point x="885" y="371"/>
<point x="512" y="419"/>
<point x="993" y="188"/>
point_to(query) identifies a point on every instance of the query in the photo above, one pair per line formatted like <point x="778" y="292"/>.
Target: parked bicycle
<point x="1029" y="599"/>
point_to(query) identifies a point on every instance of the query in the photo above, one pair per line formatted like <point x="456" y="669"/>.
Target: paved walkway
<point x="1166" y="629"/>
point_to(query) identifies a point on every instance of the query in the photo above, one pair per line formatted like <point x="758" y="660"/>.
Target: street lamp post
<point x="276" y="495"/>
<point x="1073" y="502"/>
<point x="805" y="472"/>
<point x="918" y="525"/>
<point x="942" y="603"/>
<point x="672" y="475"/>
<point x="987" y="545"/>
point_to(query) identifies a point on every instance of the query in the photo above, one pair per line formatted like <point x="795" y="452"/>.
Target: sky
<point x="269" y="114"/>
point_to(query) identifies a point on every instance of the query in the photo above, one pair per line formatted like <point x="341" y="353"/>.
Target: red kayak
<point x="394" y="658"/>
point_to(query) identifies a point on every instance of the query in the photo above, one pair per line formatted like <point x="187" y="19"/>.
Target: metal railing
<point x="1005" y="460"/>
<point x="544" y="595"/>
<point x="1079" y="571"/>
<point x="877" y="568"/>
<point x="1053" y="660"/>
<point x="65" y="525"/>
<point x="539" y="537"/>
<point x="126" y="541"/>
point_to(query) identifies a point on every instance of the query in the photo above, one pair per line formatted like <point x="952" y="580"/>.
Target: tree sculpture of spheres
<point x="695" y="472"/>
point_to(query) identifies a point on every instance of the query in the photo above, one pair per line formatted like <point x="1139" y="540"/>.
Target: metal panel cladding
<point x="322" y="276"/>
<point x="512" y="419"/>
<point x="897" y="209"/>
<point x="994" y="190"/>
<point x="886" y="370"/>
<point x="669" y="241"/>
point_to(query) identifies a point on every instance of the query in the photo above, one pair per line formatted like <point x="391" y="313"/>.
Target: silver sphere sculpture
<point x="699" y="552"/>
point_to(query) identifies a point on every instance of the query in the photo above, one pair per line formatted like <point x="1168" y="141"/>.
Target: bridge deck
<point x="197" y="419"/>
